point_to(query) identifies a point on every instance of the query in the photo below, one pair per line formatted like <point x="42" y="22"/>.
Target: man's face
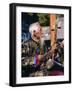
<point x="37" y="33"/>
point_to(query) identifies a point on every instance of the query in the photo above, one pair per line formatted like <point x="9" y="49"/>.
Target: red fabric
<point x="37" y="60"/>
<point x="55" y="73"/>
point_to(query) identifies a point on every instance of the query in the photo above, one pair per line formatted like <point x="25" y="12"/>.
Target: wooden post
<point x="53" y="30"/>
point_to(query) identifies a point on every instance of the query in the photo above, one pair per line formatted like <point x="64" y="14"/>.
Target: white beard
<point x="42" y="42"/>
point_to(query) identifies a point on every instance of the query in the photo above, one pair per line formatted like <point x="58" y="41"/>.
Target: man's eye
<point x="34" y="31"/>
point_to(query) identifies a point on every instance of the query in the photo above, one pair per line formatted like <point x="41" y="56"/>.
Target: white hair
<point x="34" y="27"/>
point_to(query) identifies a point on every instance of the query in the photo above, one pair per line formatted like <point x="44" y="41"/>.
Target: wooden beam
<point x="53" y="30"/>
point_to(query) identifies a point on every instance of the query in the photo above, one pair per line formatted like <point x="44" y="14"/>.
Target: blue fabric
<point x="34" y="59"/>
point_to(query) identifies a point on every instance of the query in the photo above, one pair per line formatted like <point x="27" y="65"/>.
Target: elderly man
<point x="33" y="49"/>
